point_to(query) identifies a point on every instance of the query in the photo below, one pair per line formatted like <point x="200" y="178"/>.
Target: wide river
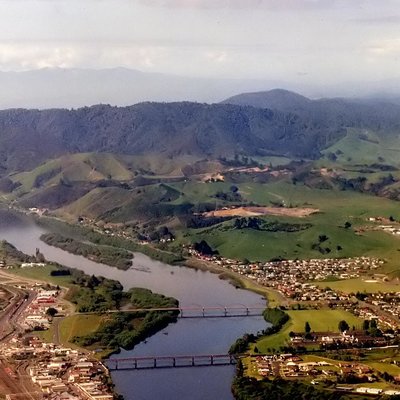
<point x="187" y="336"/>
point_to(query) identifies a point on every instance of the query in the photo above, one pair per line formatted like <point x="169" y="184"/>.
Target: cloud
<point x="33" y="56"/>
<point x="384" y="20"/>
<point x="386" y="47"/>
<point x="218" y="57"/>
<point x="244" y="4"/>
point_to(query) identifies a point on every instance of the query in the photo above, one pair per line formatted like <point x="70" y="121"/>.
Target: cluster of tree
<point x="145" y="298"/>
<point x="371" y="328"/>
<point x="115" y="257"/>
<point x="233" y="197"/>
<point x="204" y="248"/>
<point x="41" y="179"/>
<point x="162" y="233"/>
<point x="360" y="184"/>
<point x="240" y="161"/>
<point x="92" y="293"/>
<point x="276" y="317"/>
<point x="361" y="296"/>
<point x="89" y="235"/>
<point x="260" y="224"/>
<point x="60" y="272"/>
<point x="198" y="221"/>
<point x="322" y="239"/>
<point x="242" y="344"/>
<point x="126" y="330"/>
<point x="244" y="388"/>
<point x="98" y="294"/>
<point x="7" y="185"/>
<point x="10" y="252"/>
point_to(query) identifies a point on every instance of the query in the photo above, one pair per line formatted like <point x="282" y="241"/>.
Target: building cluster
<point x="301" y="271"/>
<point x="293" y="278"/>
<point x="385" y="320"/>
<point x="36" y="315"/>
<point x="352" y="338"/>
<point x="290" y="366"/>
<point x="388" y="302"/>
<point x="394" y="230"/>
<point x="63" y="371"/>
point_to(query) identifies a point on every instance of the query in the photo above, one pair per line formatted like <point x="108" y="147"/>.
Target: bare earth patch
<point x="259" y="211"/>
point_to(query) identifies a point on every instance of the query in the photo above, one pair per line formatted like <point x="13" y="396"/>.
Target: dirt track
<point x="259" y="211"/>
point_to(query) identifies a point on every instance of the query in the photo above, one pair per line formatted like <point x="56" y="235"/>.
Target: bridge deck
<point x="172" y="361"/>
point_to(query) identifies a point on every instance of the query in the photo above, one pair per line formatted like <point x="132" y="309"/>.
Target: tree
<point x="322" y="238"/>
<point x="347" y="225"/>
<point x="343" y="326"/>
<point x="51" y="312"/>
<point x="307" y="327"/>
<point x="374" y="324"/>
<point x="365" y="325"/>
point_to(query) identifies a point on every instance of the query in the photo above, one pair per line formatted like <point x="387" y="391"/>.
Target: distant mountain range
<point x="374" y="113"/>
<point x="74" y="88"/>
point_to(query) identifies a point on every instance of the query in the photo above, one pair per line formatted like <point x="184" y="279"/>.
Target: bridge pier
<point x="247" y="311"/>
<point x="155" y="362"/>
<point x="204" y="313"/>
<point x="225" y="311"/>
<point x="193" y="363"/>
<point x="212" y="360"/>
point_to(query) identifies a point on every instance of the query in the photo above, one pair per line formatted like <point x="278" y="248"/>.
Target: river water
<point x="186" y="337"/>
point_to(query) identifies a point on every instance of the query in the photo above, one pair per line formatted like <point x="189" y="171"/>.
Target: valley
<point x="298" y="203"/>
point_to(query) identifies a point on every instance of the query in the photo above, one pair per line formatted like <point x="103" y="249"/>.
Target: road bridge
<point x="171" y="361"/>
<point x="196" y="312"/>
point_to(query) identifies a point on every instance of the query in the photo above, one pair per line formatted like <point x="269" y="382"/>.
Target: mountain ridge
<point x="29" y="137"/>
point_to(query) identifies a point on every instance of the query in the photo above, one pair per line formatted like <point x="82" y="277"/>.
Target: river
<point x="188" y="336"/>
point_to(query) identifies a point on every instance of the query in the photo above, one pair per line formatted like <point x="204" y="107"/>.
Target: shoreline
<point x="271" y="296"/>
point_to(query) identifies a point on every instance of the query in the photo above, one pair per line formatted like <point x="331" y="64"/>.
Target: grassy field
<point x="78" y="325"/>
<point x="336" y="207"/>
<point x="372" y="150"/>
<point x="320" y="320"/>
<point x="42" y="274"/>
<point x="354" y="285"/>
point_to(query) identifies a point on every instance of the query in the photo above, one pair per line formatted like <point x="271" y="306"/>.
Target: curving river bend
<point x="187" y="336"/>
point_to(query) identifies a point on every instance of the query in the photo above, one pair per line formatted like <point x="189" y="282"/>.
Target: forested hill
<point x="29" y="137"/>
<point x="376" y="114"/>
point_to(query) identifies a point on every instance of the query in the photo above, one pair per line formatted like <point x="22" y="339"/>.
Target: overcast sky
<point x="310" y="40"/>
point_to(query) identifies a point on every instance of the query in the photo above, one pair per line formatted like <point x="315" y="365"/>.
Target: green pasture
<point x="322" y="320"/>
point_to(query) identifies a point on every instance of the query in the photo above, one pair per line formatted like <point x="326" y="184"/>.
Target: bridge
<point x="172" y="361"/>
<point x="197" y="311"/>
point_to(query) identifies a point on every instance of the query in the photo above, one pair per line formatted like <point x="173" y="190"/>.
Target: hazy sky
<point x="309" y="40"/>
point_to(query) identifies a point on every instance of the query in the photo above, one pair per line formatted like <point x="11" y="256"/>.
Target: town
<point x="36" y="368"/>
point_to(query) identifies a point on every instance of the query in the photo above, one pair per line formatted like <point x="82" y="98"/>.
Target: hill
<point x="376" y="114"/>
<point x="31" y="137"/>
